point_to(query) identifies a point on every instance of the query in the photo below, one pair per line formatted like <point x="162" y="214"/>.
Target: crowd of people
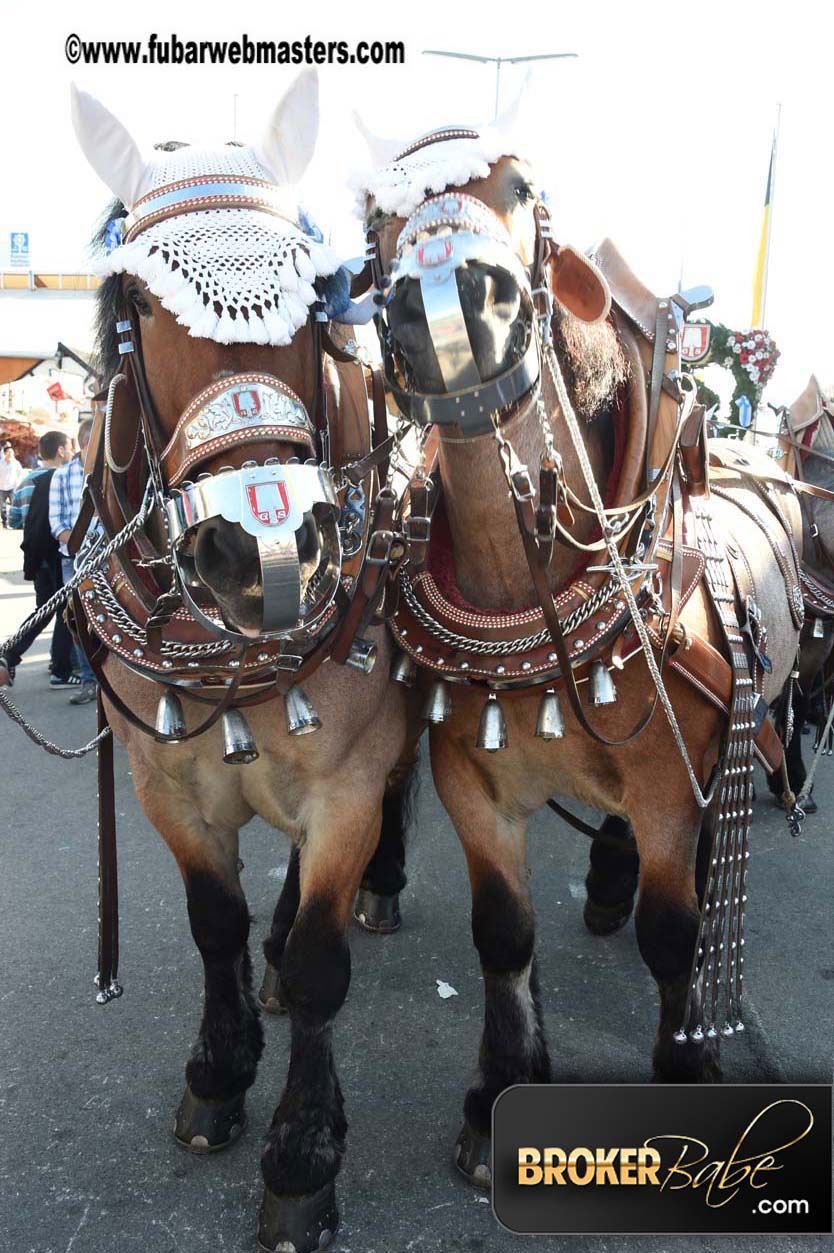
<point x="44" y="505"/>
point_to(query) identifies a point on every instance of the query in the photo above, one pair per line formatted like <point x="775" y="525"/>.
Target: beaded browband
<point x="191" y="195"/>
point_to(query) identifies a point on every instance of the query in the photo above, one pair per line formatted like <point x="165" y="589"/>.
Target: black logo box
<point x="608" y="1116"/>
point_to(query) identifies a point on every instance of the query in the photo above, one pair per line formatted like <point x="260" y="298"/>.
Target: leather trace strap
<point x="108" y="884"/>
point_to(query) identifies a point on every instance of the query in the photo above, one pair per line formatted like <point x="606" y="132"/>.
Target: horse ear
<point x="289" y="141"/>
<point x="108" y="146"/>
<point x="579" y="285"/>
<point x="382" y="150"/>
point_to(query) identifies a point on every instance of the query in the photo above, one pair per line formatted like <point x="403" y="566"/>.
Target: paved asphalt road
<point x="87" y="1160"/>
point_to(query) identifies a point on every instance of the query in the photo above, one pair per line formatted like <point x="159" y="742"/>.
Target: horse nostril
<point x="219" y="552"/>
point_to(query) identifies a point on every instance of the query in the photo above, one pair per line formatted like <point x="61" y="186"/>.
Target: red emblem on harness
<point x="434" y="252"/>
<point x="269" y="502"/>
<point x="695" y="341"/>
<point x="247" y="403"/>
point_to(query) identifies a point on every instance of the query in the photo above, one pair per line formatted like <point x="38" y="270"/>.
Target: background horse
<point x="806" y="439"/>
<point x="326" y="790"/>
<point x="478" y="556"/>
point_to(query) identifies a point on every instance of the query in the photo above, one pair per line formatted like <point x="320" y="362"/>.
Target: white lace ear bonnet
<point x="241" y="273"/>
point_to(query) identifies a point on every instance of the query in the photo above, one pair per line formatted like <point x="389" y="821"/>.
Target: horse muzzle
<point x="289" y="509"/>
<point x="443" y="236"/>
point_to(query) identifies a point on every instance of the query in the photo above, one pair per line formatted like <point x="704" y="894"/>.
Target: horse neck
<point x="490" y="565"/>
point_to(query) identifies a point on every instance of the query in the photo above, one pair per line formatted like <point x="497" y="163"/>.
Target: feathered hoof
<point x="270" y="997"/>
<point x="298" y="1224"/>
<point x="378" y="914"/>
<point x="473" y="1157"/>
<point x="606" y="919"/>
<point x="208" y="1126"/>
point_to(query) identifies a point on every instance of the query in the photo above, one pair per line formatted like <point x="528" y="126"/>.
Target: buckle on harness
<point x="417" y="529"/>
<point x="522" y="484"/>
<point x="385" y="537"/>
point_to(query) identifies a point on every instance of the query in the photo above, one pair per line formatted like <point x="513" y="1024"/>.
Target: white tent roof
<point x="33" y="322"/>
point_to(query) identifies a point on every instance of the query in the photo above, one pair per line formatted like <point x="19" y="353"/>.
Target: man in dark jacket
<point x="42" y="559"/>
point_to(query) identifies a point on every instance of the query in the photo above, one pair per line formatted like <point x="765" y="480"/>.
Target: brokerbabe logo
<point x="616" y="1158"/>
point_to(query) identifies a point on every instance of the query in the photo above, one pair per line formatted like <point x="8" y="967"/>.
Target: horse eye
<point x="523" y="192"/>
<point x="138" y="301"/>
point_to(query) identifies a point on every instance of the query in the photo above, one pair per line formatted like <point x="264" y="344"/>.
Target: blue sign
<point x="745" y="411"/>
<point x="19" y="249"/>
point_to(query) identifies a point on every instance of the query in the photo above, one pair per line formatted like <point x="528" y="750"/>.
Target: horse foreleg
<point x="513" y="1046"/>
<point x="377" y="907"/>
<point x="229" y="1043"/>
<point x="673" y="859"/>
<point x="611" y="882"/>
<point x="306" y="1140"/>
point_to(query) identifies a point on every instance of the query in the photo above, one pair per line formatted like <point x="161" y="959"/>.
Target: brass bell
<point x="438" y="706"/>
<point x="362" y="655"/>
<point x="170" y="720"/>
<point x="239" y="747"/>
<point x="818" y="632"/>
<point x="302" y="718"/>
<point x="603" y="691"/>
<point x="550" y="724"/>
<point x="492" y="729"/>
<point x="404" y="670"/>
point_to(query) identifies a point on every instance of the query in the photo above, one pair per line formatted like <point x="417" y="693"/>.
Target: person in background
<point x="64" y="507"/>
<point x="29" y="513"/>
<point x="11" y="472"/>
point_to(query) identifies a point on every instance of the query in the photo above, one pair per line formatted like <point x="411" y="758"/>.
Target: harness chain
<point x="55" y="603"/>
<point x="504" y="647"/>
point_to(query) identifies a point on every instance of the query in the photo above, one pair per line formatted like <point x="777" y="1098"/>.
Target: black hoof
<point x="606" y="919"/>
<point x="297" y="1224"/>
<point x="378" y="914"/>
<point x="208" y="1126"/>
<point x="809" y="806"/>
<point x="270" y="997"/>
<point x="473" y="1157"/>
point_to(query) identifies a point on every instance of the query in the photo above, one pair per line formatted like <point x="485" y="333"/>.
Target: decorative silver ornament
<point x="492" y="728"/>
<point x="302" y="718"/>
<point x="239" y="748"/>
<point x="170" y="719"/>
<point x="550" y="724"/>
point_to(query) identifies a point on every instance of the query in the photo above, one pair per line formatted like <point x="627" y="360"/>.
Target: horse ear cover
<point x="579" y="285"/>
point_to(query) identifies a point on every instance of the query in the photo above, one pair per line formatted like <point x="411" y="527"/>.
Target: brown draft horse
<point x="326" y="791"/>
<point x="491" y="797"/>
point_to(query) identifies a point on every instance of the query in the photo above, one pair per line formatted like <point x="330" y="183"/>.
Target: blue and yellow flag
<point x="760" y="276"/>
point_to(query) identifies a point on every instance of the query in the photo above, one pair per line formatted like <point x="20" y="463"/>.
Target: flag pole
<point x="761" y="320"/>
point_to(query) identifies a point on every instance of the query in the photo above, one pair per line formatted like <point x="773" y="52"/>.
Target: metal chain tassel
<point x="719" y="957"/>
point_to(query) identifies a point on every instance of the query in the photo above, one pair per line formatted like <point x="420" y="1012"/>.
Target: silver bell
<point x="301" y="716"/>
<point x="170" y="720"/>
<point x="238" y="742"/>
<point x="818" y="632"/>
<point x="550" y="724"/>
<point x="492" y="729"/>
<point x="438" y="706"/>
<point x="603" y="691"/>
<point x="362" y="655"/>
<point x="404" y="670"/>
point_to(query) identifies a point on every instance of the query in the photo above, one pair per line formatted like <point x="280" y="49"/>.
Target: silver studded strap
<point x="718" y="958"/>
